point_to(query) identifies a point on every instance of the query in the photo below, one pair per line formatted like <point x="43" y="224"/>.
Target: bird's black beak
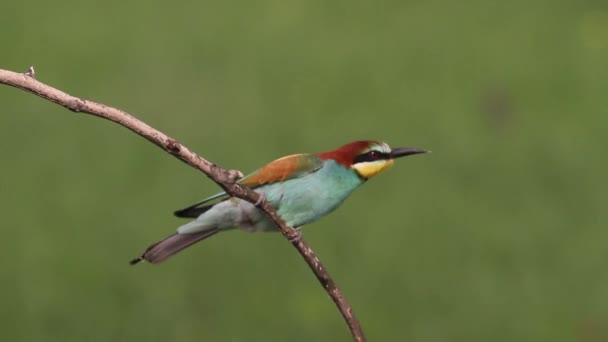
<point x="406" y="151"/>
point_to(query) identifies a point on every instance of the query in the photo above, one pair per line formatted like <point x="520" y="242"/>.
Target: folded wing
<point x="289" y="167"/>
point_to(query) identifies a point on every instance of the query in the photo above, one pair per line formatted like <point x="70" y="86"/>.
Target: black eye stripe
<point x="372" y="155"/>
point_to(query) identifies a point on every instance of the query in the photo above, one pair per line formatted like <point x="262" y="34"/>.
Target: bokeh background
<point x="499" y="235"/>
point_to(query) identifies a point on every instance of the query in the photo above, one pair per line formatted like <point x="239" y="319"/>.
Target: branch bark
<point x="226" y="179"/>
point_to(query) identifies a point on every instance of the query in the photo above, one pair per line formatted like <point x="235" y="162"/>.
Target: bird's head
<point x="368" y="157"/>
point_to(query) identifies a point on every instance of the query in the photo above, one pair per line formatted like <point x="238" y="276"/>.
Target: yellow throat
<point x="370" y="169"/>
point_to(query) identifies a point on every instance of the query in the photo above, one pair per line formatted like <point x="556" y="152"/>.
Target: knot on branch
<point x="77" y="105"/>
<point x="173" y="146"/>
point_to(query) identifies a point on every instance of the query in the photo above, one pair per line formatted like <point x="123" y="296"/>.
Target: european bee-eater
<point x="301" y="187"/>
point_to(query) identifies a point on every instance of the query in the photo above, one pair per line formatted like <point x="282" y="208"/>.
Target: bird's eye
<point x="369" y="157"/>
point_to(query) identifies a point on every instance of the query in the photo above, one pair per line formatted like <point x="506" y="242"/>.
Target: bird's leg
<point x="234" y="175"/>
<point x="261" y="200"/>
<point x="295" y="237"/>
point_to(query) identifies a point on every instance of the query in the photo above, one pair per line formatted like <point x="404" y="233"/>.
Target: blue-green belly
<point x="300" y="201"/>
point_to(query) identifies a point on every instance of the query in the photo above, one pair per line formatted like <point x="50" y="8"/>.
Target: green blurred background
<point x="499" y="235"/>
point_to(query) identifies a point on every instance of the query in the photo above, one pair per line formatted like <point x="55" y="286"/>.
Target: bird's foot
<point x="234" y="175"/>
<point x="295" y="237"/>
<point x="261" y="200"/>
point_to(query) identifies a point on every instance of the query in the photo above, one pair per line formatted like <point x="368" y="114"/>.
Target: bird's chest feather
<point x="303" y="200"/>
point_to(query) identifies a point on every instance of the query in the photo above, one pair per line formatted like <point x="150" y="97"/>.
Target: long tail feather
<point x="162" y="250"/>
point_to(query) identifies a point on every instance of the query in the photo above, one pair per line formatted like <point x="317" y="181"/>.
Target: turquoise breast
<point x="303" y="200"/>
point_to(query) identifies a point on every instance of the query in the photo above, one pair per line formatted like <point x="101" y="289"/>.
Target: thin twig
<point x="222" y="177"/>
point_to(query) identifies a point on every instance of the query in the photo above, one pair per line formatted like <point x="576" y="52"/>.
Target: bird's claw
<point x="296" y="237"/>
<point x="234" y="175"/>
<point x="261" y="200"/>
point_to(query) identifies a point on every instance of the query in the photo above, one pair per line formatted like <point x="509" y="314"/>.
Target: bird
<point x="301" y="187"/>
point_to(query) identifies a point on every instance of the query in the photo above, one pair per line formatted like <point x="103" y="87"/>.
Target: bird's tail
<point x="162" y="250"/>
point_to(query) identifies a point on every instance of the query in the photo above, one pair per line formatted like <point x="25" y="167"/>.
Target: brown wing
<point x="289" y="167"/>
<point x="293" y="166"/>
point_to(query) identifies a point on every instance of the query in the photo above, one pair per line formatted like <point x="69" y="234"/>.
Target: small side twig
<point x="30" y="72"/>
<point x="222" y="177"/>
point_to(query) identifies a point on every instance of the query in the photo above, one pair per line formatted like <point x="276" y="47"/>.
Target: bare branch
<point x="222" y="177"/>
